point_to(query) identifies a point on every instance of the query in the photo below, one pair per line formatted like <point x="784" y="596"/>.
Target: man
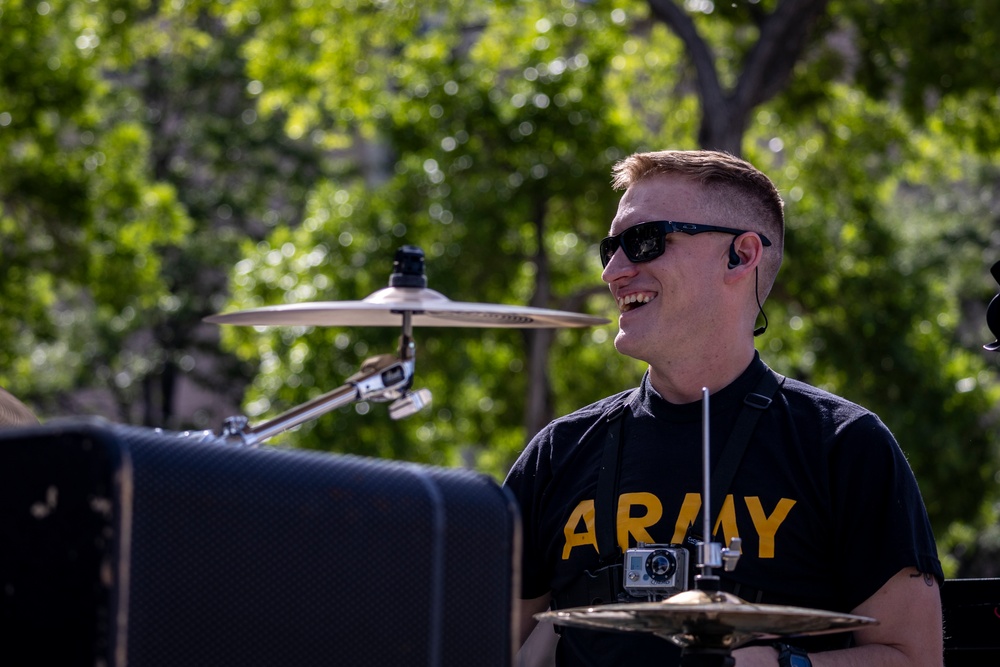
<point x="825" y="504"/>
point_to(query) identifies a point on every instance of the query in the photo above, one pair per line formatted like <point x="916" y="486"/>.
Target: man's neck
<point x="681" y="381"/>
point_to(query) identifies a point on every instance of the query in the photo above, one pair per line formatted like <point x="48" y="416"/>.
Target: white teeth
<point x="633" y="298"/>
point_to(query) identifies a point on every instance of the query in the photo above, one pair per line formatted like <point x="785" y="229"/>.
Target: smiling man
<point x="828" y="511"/>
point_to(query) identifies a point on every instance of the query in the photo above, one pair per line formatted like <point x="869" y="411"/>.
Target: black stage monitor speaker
<point x="971" y="622"/>
<point x="132" y="546"/>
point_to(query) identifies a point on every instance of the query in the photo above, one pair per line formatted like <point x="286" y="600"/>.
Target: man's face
<point x="669" y="305"/>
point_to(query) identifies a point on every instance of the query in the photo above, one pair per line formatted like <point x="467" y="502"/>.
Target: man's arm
<point x="909" y="630"/>
<point x="527" y="610"/>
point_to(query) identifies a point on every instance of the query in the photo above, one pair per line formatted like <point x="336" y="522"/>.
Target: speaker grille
<point x="272" y="556"/>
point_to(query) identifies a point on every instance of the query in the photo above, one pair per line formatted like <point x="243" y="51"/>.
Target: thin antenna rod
<point x="705" y="466"/>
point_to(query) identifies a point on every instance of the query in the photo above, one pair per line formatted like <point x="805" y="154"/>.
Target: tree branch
<point x="698" y="50"/>
<point x="783" y="37"/>
<point x="766" y="69"/>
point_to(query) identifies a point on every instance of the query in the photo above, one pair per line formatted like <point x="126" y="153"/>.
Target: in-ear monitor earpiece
<point x="734" y="258"/>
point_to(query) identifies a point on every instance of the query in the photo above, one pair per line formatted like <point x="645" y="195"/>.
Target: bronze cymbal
<point x="13" y="412"/>
<point x="385" y="307"/>
<point x="699" y="618"/>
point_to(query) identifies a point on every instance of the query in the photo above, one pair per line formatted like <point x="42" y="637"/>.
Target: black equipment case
<point x="971" y="622"/>
<point x="127" y="545"/>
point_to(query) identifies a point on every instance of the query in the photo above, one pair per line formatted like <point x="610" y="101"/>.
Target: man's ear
<point x="734" y="257"/>
<point x="745" y="252"/>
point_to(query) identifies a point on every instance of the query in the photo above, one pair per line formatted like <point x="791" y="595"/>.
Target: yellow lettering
<point x="636" y="525"/>
<point x="579" y="530"/>
<point x="583" y="512"/>
<point x="767" y="526"/>
<point x="687" y="516"/>
<point x="727" y="519"/>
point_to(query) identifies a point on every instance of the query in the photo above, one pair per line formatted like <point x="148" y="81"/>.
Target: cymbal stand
<point x="711" y="649"/>
<point x="381" y="378"/>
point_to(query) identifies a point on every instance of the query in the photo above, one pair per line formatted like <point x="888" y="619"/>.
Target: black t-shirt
<point x="824" y="501"/>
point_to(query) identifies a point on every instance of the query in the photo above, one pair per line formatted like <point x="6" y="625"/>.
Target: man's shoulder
<point x="803" y="391"/>
<point x="590" y="414"/>
<point x="811" y="402"/>
<point x="562" y="440"/>
<point x="578" y="425"/>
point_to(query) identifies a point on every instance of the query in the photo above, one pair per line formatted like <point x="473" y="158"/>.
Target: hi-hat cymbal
<point x="385" y="307"/>
<point x="698" y="618"/>
<point x="13" y="412"/>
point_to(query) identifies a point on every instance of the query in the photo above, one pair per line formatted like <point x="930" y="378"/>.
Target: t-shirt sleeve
<point x="527" y="480"/>
<point x="881" y="521"/>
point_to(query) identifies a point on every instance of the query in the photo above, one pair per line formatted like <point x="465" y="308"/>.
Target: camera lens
<point x="661" y="565"/>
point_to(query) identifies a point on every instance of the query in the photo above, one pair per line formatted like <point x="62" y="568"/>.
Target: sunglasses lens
<point x="643" y="243"/>
<point x="608" y="247"/>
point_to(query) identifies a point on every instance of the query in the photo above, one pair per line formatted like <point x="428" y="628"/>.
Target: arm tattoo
<point x="928" y="578"/>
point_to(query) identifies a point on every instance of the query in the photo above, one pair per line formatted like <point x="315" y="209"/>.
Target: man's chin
<point x="629" y="345"/>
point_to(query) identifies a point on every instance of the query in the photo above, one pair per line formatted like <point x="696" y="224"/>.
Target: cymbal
<point x="13" y="412"/>
<point x="698" y="618"/>
<point x="385" y="307"/>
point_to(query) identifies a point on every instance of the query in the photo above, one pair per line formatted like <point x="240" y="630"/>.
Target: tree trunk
<point x="538" y="407"/>
<point x="767" y="67"/>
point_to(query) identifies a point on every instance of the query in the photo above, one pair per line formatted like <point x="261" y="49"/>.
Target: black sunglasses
<point x="647" y="240"/>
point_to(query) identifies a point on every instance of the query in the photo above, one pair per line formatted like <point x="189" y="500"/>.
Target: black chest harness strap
<point x="604" y="584"/>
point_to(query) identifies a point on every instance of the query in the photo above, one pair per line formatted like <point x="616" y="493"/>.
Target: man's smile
<point x="632" y="301"/>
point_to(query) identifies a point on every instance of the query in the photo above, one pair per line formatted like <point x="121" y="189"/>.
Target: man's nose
<point x="620" y="266"/>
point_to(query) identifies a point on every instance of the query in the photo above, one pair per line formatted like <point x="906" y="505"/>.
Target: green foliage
<point x="82" y="216"/>
<point x="944" y="50"/>
<point x="496" y="149"/>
